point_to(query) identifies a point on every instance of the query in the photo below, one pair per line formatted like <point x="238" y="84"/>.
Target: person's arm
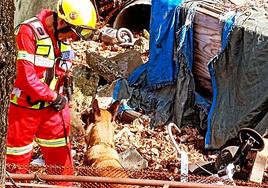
<point x="27" y="78"/>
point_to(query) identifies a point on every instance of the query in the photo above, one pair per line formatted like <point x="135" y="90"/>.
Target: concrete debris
<point x="131" y="159"/>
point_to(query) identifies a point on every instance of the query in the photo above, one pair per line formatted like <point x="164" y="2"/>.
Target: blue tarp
<point x="238" y="74"/>
<point x="228" y="25"/>
<point x="161" y="68"/>
<point x="189" y="104"/>
<point x="171" y="46"/>
<point x="239" y="79"/>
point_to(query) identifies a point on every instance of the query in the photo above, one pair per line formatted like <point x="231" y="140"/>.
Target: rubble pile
<point x="242" y="5"/>
<point x="98" y="63"/>
<point x="155" y="145"/>
<point x="107" y="51"/>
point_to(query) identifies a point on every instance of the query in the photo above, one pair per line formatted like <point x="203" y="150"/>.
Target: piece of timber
<point x="119" y="66"/>
<point x="104" y="67"/>
<point x="128" y="116"/>
<point x="207" y="44"/>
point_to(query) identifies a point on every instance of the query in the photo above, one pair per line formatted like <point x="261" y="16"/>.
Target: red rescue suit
<point x="31" y="117"/>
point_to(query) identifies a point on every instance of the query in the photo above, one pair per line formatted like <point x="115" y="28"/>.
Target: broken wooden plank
<point x="259" y="164"/>
<point x="207" y="44"/>
<point x="205" y="20"/>
<point x="128" y="116"/>
<point x="104" y="67"/>
<point x="120" y="66"/>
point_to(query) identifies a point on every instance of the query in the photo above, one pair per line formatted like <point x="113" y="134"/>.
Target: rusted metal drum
<point x="134" y="16"/>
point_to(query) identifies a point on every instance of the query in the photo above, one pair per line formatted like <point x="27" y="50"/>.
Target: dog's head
<point x="94" y="114"/>
<point x="108" y="114"/>
<point x="99" y="119"/>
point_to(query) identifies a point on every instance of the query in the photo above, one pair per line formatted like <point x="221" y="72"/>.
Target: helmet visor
<point x="82" y="31"/>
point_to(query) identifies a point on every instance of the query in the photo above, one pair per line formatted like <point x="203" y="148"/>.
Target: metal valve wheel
<point x="247" y="133"/>
<point x="125" y="36"/>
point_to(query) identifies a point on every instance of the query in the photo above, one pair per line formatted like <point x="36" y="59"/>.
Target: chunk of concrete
<point x="131" y="159"/>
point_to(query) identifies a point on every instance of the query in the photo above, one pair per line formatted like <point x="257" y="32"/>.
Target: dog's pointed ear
<point x="95" y="107"/>
<point x="113" y="109"/>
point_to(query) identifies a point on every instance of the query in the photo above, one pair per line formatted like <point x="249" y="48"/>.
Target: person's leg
<point x="51" y="136"/>
<point x="22" y="126"/>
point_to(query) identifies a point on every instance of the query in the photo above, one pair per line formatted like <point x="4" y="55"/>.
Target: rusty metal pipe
<point x="135" y="16"/>
<point x="36" y="185"/>
<point x="128" y="181"/>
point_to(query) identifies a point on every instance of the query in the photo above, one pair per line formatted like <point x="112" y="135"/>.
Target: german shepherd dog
<point x="101" y="153"/>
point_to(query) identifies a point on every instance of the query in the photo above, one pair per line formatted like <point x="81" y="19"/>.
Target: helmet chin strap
<point x="55" y="24"/>
<point x="65" y="29"/>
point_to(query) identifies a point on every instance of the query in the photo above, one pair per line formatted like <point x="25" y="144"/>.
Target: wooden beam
<point x="207" y="44"/>
<point x="259" y="164"/>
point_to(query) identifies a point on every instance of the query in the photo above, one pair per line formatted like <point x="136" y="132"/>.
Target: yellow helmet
<point x="79" y="14"/>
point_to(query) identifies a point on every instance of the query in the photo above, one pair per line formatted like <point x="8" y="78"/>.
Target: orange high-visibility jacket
<point x="38" y="67"/>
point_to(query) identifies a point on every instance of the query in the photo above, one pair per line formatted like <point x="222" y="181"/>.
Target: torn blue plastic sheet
<point x="160" y="67"/>
<point x="228" y="25"/>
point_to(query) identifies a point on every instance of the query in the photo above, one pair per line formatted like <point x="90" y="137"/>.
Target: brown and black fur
<point x="101" y="153"/>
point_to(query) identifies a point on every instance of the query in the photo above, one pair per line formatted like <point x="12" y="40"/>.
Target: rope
<point x="12" y="180"/>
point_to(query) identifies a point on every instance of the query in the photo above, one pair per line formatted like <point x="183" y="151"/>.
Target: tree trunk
<point x="7" y="74"/>
<point x="26" y="9"/>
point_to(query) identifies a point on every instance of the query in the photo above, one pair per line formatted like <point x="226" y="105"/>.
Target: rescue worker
<point x="38" y="110"/>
